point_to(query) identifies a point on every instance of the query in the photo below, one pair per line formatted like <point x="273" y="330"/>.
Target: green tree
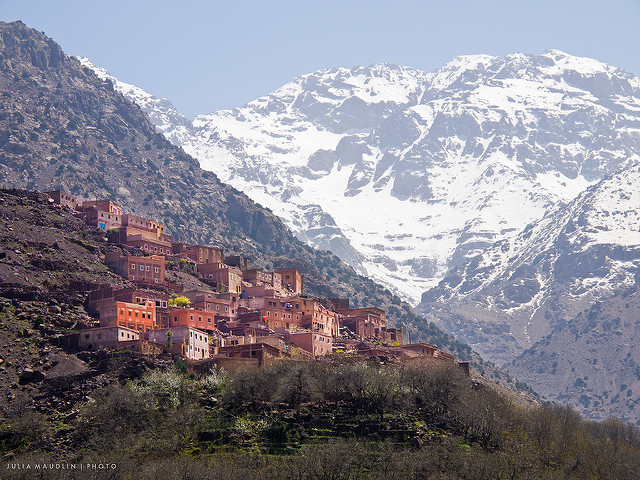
<point x="179" y="301"/>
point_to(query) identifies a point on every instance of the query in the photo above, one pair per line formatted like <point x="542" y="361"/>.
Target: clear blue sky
<point x="206" y="55"/>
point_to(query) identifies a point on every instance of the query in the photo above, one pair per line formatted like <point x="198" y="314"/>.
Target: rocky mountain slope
<point x="558" y="303"/>
<point x="63" y="127"/>
<point x="449" y="162"/>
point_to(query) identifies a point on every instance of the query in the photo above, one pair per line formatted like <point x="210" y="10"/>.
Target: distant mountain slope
<point x="448" y="162"/>
<point x="559" y="303"/>
<point x="62" y="126"/>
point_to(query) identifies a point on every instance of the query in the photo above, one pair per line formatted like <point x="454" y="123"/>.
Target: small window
<point x="141" y="267"/>
<point x="199" y="319"/>
<point x="133" y="266"/>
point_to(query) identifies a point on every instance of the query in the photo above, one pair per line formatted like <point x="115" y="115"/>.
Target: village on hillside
<point x="244" y="318"/>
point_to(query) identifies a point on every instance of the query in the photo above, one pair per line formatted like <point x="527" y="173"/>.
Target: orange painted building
<point x="191" y="317"/>
<point x="136" y="316"/>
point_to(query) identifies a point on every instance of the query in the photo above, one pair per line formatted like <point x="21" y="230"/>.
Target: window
<point x="175" y="319"/>
<point x="133" y="266"/>
<point x="148" y="268"/>
<point x="122" y="334"/>
<point x="141" y="267"/>
<point x="217" y="307"/>
<point x="191" y="317"/>
<point x="199" y="319"/>
<point x="226" y="309"/>
<point x="164" y="304"/>
<point x="209" y="319"/>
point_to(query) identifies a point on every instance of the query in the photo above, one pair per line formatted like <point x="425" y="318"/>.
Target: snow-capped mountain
<point x="560" y="301"/>
<point x="406" y="174"/>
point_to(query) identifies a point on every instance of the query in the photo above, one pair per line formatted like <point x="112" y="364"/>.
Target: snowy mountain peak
<point x="447" y="162"/>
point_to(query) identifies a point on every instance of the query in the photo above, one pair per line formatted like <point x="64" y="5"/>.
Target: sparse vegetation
<point x="326" y="419"/>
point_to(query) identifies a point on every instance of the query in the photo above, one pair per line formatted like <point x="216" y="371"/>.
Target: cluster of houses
<point x="244" y="317"/>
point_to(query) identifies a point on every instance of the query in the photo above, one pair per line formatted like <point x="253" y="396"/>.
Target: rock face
<point x="447" y="162"/>
<point x="558" y="303"/>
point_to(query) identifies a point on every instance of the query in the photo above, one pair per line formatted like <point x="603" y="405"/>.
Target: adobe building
<point x="197" y="253"/>
<point x="276" y="312"/>
<point x="144" y="233"/>
<point x="153" y="246"/>
<point x="103" y="214"/>
<point x="115" y="337"/>
<point x="367" y="322"/>
<point x="227" y="279"/>
<point x="291" y="280"/>
<point x="186" y="341"/>
<point x="58" y="197"/>
<point x="145" y="226"/>
<point x="128" y="294"/>
<point x="316" y="317"/>
<point x="264" y="353"/>
<point x="237" y="261"/>
<point x="138" y="269"/>
<point x="140" y="317"/>
<point x="191" y="317"/>
<point x="316" y="343"/>
<point x="224" y="306"/>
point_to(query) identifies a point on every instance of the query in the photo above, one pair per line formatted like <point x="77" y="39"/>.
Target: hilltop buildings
<point x="240" y="316"/>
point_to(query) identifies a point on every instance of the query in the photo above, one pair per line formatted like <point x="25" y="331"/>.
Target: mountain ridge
<point x="326" y="146"/>
<point x="558" y="302"/>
